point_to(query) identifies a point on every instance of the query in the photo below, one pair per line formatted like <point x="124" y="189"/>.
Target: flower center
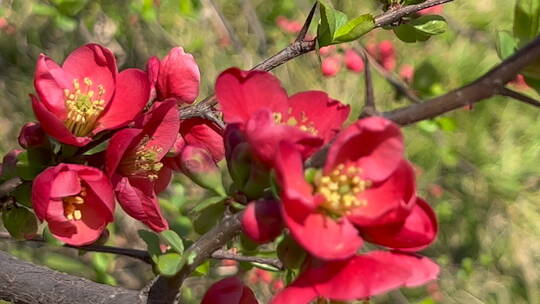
<point x="304" y="124"/>
<point x="143" y="161"/>
<point x="341" y="188"/>
<point x="84" y="106"/>
<point x="73" y="204"/>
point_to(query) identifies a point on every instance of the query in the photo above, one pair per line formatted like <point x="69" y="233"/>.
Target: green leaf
<point x="407" y="33"/>
<point x="506" y="44"/>
<point x="20" y="222"/>
<point x="208" y="218"/>
<point x="526" y="20"/>
<point x="430" y="24"/>
<point x="174" y="240"/>
<point x="152" y="244"/>
<point x="354" y="29"/>
<point x="99" y="148"/>
<point x="203" y="269"/>
<point x="23" y="193"/>
<point x="266" y="267"/>
<point x="207" y="203"/>
<point x="331" y="20"/>
<point x="169" y="264"/>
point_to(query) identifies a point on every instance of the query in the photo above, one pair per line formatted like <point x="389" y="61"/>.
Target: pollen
<point x="303" y="123"/>
<point x="73" y="205"/>
<point x="143" y="161"/>
<point x="84" y="104"/>
<point x="341" y="189"/>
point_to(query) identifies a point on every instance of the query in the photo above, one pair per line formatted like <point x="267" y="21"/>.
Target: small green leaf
<point x="526" y="20"/>
<point x="99" y="148"/>
<point x="191" y="257"/>
<point x="266" y="267"/>
<point x="174" y="240"/>
<point x="152" y="244"/>
<point x="20" y="222"/>
<point x="354" y="29"/>
<point x="407" y="33"/>
<point x="207" y="203"/>
<point x="169" y="264"/>
<point x="506" y="44"/>
<point x="208" y="218"/>
<point x="203" y="269"/>
<point x="430" y="24"/>
<point x="23" y="193"/>
<point x="331" y="20"/>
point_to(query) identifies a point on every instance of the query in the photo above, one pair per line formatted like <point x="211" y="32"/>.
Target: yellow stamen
<point x="84" y="107"/>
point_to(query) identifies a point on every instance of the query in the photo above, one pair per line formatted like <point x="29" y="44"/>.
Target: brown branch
<point x="22" y="282"/>
<point x="518" y="96"/>
<point x="489" y="85"/>
<point x="165" y="289"/>
<point x="224" y="255"/>
<point x="390" y="77"/>
<point x="394" y="15"/>
<point x="369" y="107"/>
<point x="9" y="186"/>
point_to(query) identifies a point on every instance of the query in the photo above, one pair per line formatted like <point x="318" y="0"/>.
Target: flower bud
<point x="262" y="221"/>
<point x="406" y="72"/>
<point x="178" y="77"/>
<point x="198" y="165"/>
<point x="353" y="61"/>
<point x="32" y="135"/>
<point x="229" y="291"/>
<point x="330" y="66"/>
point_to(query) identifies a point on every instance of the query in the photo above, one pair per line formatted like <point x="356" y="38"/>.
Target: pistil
<point x="84" y="106"/>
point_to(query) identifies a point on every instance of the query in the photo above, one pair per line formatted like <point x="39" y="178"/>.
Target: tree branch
<point x="369" y="107"/>
<point x="518" y="96"/>
<point x="488" y="85"/>
<point x="165" y="289"/>
<point x="22" y="282"/>
<point x="9" y="186"/>
<point x="224" y="255"/>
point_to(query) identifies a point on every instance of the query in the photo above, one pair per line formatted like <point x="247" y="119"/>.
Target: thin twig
<point x="518" y="96"/>
<point x="255" y="24"/>
<point x="399" y="85"/>
<point x="369" y="108"/>
<point x="9" y="186"/>
<point x="225" y="255"/>
<point x="232" y="35"/>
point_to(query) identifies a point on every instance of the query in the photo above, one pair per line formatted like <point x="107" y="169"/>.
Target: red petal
<point x="262" y="221"/>
<point x="132" y="93"/>
<point x="50" y="80"/>
<point x="66" y="183"/>
<point x="240" y="94"/>
<point x="204" y="134"/>
<point x="179" y="76"/>
<point x="326" y="114"/>
<point x="99" y="186"/>
<point x="322" y="236"/>
<point x="389" y="201"/>
<point x="161" y="126"/>
<point x="416" y="233"/>
<point x="41" y="191"/>
<point x="163" y="180"/>
<point x="264" y="136"/>
<point x="54" y="127"/>
<point x="118" y="145"/>
<point x="138" y="199"/>
<point x="367" y="275"/>
<point x="229" y="291"/>
<point x="95" y="62"/>
<point x="299" y="292"/>
<point x="374" y="143"/>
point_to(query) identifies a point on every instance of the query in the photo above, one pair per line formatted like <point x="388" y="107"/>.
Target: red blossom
<point x="288" y="26"/>
<point x="358" y="277"/>
<point x="176" y="76"/>
<point x="229" y="291"/>
<point x="257" y="102"/>
<point x="406" y="72"/>
<point x="434" y="10"/>
<point x="86" y="94"/>
<point x="133" y="161"/>
<point x="353" y="61"/>
<point x="331" y="65"/>
<point x="262" y="221"/>
<point x="365" y="183"/>
<point x="76" y="201"/>
<point x="32" y="135"/>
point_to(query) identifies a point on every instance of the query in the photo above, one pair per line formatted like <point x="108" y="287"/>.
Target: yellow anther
<point x="77" y="214"/>
<point x="87" y="81"/>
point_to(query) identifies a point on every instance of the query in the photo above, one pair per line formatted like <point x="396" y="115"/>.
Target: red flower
<point x="86" y="95"/>
<point x="262" y="221"/>
<point x="288" y="26"/>
<point x="364" y="183"/>
<point x="353" y="61"/>
<point x="32" y="135"/>
<point x="76" y="201"/>
<point x="176" y="76"/>
<point x="133" y="161"/>
<point x="434" y="10"/>
<point x="331" y="65"/>
<point x="267" y="115"/>
<point x="199" y="133"/>
<point x="406" y="72"/>
<point x="229" y="291"/>
<point x="358" y="278"/>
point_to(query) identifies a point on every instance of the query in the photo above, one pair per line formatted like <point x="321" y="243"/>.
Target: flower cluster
<point x="109" y="136"/>
<point x="85" y="104"/>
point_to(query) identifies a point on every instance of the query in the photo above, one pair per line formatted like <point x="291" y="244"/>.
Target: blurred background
<point x="478" y="167"/>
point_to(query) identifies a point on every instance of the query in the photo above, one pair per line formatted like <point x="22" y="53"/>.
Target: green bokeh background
<point x="478" y="168"/>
